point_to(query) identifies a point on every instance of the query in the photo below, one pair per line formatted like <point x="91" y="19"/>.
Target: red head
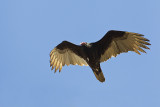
<point x="83" y="43"/>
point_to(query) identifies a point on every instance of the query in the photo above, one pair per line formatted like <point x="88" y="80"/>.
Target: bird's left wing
<point x="66" y="53"/>
<point x="116" y="42"/>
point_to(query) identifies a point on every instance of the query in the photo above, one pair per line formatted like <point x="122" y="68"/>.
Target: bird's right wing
<point x="66" y="53"/>
<point x="116" y="42"/>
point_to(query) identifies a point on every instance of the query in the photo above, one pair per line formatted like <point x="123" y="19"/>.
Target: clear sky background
<point x="30" y="29"/>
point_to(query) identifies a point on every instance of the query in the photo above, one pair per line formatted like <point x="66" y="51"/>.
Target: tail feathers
<point x="99" y="75"/>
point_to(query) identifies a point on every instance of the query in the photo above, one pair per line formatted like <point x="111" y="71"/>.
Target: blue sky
<point x="30" y="29"/>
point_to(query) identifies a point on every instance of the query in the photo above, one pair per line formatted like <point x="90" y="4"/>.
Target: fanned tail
<point x="99" y="75"/>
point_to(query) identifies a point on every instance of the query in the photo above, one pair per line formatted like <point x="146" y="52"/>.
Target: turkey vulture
<point x="92" y="54"/>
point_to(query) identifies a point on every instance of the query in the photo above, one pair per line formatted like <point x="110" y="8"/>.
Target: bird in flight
<point x="92" y="54"/>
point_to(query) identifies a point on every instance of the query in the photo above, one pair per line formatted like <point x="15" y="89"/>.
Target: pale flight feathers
<point x="59" y="58"/>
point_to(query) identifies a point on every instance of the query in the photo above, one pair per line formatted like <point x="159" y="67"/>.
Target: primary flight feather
<point x="92" y="54"/>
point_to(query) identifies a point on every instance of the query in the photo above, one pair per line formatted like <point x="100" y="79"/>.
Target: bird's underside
<point x="92" y="54"/>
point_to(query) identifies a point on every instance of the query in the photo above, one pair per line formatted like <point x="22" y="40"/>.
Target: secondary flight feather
<point x="92" y="54"/>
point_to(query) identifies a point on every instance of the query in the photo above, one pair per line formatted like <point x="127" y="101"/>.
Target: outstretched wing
<point x="116" y="42"/>
<point x="66" y="53"/>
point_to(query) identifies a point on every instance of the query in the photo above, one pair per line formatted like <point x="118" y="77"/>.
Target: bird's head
<point x="83" y="43"/>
